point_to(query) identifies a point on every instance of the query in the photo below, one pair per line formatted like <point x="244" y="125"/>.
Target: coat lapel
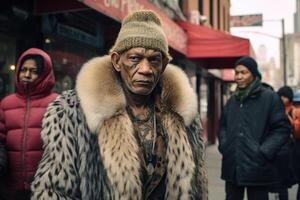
<point x="119" y="152"/>
<point x="179" y="155"/>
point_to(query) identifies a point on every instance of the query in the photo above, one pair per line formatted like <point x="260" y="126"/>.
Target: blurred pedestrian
<point x="296" y="133"/>
<point x="252" y="130"/>
<point x="286" y="95"/>
<point x="21" y="115"/>
<point x="130" y="129"/>
<point x="284" y="159"/>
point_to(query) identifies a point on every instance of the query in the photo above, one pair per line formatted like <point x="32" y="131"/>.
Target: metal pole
<point x="284" y="53"/>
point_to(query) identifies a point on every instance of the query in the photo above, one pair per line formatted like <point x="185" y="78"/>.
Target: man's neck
<point x="140" y="105"/>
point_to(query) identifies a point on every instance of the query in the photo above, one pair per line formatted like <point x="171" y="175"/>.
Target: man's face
<point x="28" y="72"/>
<point x="243" y="77"/>
<point x="140" y="69"/>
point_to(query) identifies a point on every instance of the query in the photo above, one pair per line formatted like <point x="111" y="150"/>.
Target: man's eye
<point x="134" y="58"/>
<point x="155" y="60"/>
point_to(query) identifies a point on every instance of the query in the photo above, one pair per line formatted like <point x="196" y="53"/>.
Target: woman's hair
<point x="39" y="62"/>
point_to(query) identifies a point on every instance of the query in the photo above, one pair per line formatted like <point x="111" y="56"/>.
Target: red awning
<point x="215" y="49"/>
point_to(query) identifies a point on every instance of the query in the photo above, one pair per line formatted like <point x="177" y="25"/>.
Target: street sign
<point x="246" y="20"/>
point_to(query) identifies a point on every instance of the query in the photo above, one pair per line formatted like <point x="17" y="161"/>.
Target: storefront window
<point x="7" y="65"/>
<point x="71" y="39"/>
<point x="68" y="56"/>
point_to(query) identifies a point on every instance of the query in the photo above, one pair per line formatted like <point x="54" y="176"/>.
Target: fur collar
<point x="101" y="95"/>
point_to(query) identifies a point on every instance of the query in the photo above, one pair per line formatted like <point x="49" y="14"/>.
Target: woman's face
<point x="28" y="72"/>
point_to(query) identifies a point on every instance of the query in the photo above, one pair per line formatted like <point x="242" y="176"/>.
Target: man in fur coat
<point x="129" y="130"/>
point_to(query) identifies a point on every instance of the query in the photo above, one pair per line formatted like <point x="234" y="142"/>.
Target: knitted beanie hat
<point x="250" y="63"/>
<point x="141" y="29"/>
<point x="287" y="92"/>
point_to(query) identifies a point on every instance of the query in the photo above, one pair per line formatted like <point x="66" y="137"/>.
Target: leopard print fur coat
<point x="90" y="151"/>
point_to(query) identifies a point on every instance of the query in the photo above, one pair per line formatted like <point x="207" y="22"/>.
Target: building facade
<point x="293" y="52"/>
<point x="73" y="31"/>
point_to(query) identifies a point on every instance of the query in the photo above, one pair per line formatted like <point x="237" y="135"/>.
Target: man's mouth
<point x="143" y="82"/>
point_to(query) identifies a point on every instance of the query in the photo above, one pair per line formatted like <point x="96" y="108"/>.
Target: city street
<point x="94" y="93"/>
<point x="216" y="185"/>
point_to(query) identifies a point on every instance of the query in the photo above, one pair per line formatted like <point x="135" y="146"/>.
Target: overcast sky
<point x="271" y="10"/>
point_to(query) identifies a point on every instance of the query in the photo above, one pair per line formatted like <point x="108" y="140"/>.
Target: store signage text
<point x="125" y="6"/>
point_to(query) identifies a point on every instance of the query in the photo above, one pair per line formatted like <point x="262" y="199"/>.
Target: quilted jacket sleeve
<point x="3" y="156"/>
<point x="56" y="177"/>
<point x="200" y="182"/>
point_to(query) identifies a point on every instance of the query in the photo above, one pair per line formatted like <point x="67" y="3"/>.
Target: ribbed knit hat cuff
<point x="142" y="29"/>
<point x="135" y="41"/>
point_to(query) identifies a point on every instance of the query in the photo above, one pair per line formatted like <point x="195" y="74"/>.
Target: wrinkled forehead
<point x="144" y="51"/>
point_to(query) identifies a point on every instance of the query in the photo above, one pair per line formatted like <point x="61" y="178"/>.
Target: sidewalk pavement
<point x="216" y="186"/>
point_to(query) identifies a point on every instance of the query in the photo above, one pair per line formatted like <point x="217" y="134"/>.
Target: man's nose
<point x="145" y="67"/>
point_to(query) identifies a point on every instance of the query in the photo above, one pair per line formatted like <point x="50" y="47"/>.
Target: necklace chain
<point x="154" y="135"/>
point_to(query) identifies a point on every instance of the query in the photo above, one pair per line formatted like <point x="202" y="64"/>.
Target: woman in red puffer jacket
<point x="21" y="116"/>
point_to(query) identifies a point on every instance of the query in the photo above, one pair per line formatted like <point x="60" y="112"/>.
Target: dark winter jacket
<point x="250" y="136"/>
<point x="90" y="149"/>
<point x="21" y="116"/>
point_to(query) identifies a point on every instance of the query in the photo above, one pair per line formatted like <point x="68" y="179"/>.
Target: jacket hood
<point x="101" y="94"/>
<point x="45" y="81"/>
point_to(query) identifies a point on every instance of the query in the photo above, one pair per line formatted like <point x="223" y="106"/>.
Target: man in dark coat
<point x="252" y="130"/>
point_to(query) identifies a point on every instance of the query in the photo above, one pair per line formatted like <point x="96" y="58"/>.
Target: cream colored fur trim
<point x="119" y="151"/>
<point x="101" y="95"/>
<point x="181" y="165"/>
<point x="178" y="93"/>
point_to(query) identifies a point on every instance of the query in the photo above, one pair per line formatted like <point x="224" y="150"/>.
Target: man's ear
<point x="115" y="58"/>
<point x="165" y="62"/>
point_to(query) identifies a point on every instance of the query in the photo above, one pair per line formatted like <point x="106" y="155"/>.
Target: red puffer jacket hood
<point x="43" y="84"/>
